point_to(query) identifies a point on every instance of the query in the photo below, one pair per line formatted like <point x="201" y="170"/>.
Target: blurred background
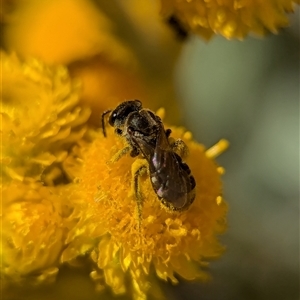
<point x="246" y="92"/>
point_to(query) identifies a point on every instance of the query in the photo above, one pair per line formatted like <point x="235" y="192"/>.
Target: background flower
<point x="31" y="233"/>
<point x="231" y="19"/>
<point x="40" y="118"/>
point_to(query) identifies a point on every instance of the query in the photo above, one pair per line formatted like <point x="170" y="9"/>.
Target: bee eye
<point x="112" y="118"/>
<point x="118" y="131"/>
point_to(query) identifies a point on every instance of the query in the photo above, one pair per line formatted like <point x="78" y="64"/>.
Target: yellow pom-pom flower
<point x="61" y="31"/>
<point x="230" y="18"/>
<point x="32" y="233"/>
<point x="105" y="225"/>
<point x="40" y="118"/>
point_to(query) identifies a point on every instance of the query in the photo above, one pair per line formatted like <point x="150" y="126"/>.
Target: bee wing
<point x="162" y="142"/>
<point x="169" y="180"/>
<point x="176" y="186"/>
<point x="175" y="182"/>
<point x="146" y="148"/>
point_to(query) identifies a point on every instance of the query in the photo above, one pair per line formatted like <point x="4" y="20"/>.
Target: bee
<point x="145" y="134"/>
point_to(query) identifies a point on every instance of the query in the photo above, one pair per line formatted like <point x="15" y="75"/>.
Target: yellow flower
<point x="230" y="18"/>
<point x="105" y="83"/>
<point x="62" y="31"/>
<point x="104" y="223"/>
<point x="40" y="118"/>
<point x="31" y="233"/>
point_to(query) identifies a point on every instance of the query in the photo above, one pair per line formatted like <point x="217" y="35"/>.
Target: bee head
<point x="119" y="115"/>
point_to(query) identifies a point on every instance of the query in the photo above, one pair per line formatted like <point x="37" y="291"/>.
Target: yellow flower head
<point x="40" y="118"/>
<point x="61" y="31"/>
<point x="106" y="225"/>
<point x="31" y="233"/>
<point x="230" y="18"/>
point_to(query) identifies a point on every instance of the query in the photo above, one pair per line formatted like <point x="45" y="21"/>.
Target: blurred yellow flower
<point x="32" y="233"/>
<point x="230" y="18"/>
<point x="61" y="31"/>
<point x="40" y="118"/>
<point x="104" y="221"/>
<point x="111" y="46"/>
<point x="105" y="82"/>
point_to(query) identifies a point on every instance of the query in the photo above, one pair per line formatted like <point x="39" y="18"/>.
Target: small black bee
<point x="170" y="177"/>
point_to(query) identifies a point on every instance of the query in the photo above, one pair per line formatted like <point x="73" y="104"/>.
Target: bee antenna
<point x="103" y="121"/>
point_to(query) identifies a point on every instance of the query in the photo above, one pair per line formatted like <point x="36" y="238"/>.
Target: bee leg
<point x="138" y="169"/>
<point x="134" y="152"/>
<point x="103" y="121"/>
<point x="180" y="148"/>
<point x="168" y="132"/>
<point x="119" y="154"/>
